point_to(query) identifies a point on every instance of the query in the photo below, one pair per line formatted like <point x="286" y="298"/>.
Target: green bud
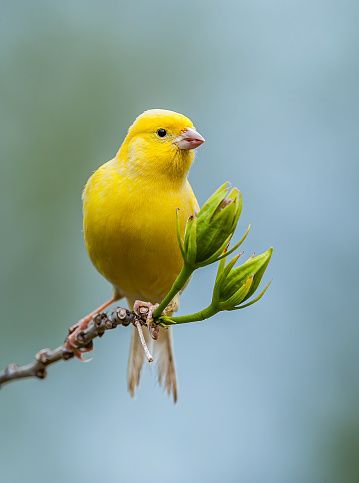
<point x="236" y="285"/>
<point x="217" y="221"/>
<point x="208" y="234"/>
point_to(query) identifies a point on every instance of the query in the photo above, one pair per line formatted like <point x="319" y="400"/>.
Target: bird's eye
<point x="161" y="133"/>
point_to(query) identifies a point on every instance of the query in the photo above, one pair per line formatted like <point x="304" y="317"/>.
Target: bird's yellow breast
<point x="130" y="230"/>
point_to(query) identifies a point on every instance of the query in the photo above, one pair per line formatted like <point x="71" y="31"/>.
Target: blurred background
<point x="269" y="394"/>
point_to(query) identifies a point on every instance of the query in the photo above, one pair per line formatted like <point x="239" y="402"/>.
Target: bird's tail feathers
<point x="136" y="359"/>
<point x="163" y="355"/>
<point x="166" y="369"/>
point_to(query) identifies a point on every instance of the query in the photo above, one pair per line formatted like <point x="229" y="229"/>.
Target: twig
<point x="45" y="357"/>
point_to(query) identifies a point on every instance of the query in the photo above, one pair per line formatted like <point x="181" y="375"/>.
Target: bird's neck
<point x="169" y="170"/>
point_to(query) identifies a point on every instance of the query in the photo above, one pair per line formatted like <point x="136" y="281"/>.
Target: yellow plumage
<point x="129" y="207"/>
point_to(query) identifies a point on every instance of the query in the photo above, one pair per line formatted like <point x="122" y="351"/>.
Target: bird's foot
<point x="71" y="341"/>
<point x="145" y="311"/>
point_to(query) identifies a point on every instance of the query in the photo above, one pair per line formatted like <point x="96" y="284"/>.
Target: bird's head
<point x="160" y="143"/>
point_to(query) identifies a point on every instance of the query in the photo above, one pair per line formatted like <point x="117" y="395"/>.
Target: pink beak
<point x="189" y="139"/>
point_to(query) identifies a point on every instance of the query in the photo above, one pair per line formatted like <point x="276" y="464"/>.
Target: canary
<point x="129" y="223"/>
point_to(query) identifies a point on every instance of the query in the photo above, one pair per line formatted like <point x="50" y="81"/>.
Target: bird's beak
<point x="189" y="139"/>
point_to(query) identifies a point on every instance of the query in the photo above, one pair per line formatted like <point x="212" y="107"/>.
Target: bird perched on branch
<point x="129" y="207"/>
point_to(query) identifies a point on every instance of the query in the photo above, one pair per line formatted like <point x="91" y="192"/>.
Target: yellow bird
<point x="129" y="209"/>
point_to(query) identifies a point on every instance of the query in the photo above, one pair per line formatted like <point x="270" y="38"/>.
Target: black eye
<point x="161" y="132"/>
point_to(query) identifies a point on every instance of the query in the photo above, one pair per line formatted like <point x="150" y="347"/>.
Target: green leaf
<point x="187" y="231"/>
<point x="234" y="248"/>
<point x="253" y="301"/>
<point x="238" y="296"/>
<point x="210" y="206"/>
<point x="222" y="272"/>
<point x="179" y="236"/>
<point x="191" y="248"/>
<point x="259" y="274"/>
<point x="235" y="193"/>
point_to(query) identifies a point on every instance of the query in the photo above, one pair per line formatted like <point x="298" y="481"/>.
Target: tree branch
<point x="45" y="357"/>
<point x="206" y="239"/>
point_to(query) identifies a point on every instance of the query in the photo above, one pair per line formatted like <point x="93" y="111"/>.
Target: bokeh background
<point x="270" y="394"/>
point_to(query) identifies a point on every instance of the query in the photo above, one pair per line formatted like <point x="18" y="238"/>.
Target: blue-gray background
<point x="269" y="394"/>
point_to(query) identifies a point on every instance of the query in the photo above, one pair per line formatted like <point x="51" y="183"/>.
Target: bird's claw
<point x="145" y="311"/>
<point x="71" y="343"/>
